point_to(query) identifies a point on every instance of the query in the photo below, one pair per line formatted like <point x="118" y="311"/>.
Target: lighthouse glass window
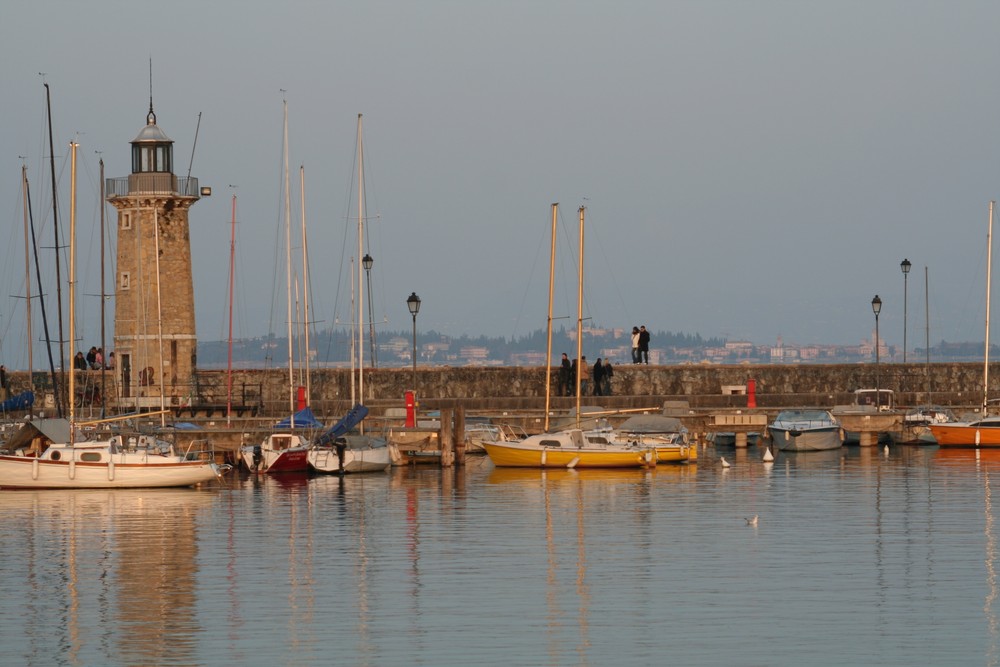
<point x="154" y="158"/>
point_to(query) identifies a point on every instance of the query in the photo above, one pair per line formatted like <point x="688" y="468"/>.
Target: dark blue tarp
<point x="303" y="419"/>
<point x="349" y="421"/>
<point x="185" y="426"/>
<point x="22" y="401"/>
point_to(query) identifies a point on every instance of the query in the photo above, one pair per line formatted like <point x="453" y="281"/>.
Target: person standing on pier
<point x="565" y="371"/>
<point x="584" y="376"/>
<point x="644" y="344"/>
<point x="609" y="373"/>
<point x="635" y="345"/>
<point x="598" y="378"/>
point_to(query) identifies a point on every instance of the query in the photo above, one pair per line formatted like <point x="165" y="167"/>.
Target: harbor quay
<point x="699" y="394"/>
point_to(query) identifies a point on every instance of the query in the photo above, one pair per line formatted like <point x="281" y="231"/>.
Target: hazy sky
<point x="750" y="169"/>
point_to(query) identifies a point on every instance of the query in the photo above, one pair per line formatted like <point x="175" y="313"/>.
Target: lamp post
<point x="367" y="262"/>
<point x="413" y="303"/>
<point x="877" y="308"/>
<point x="905" y="266"/>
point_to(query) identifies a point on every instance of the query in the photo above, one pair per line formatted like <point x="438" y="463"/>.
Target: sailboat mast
<point x="989" y="279"/>
<point x="548" y="339"/>
<point x="27" y="284"/>
<point x="579" y="323"/>
<point x="232" y="277"/>
<point x="41" y="305"/>
<point x="288" y="272"/>
<point x="305" y="281"/>
<point x="72" y="285"/>
<point x="55" y="231"/>
<point x="361" y="234"/>
<point x="104" y="344"/>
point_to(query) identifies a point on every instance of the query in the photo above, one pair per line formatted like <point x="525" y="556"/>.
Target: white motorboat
<point x="805" y="431"/>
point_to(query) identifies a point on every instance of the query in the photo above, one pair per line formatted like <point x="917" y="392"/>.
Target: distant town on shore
<point x="332" y="348"/>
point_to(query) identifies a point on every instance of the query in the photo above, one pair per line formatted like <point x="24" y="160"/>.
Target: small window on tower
<point x="125" y="281"/>
<point x="126" y="221"/>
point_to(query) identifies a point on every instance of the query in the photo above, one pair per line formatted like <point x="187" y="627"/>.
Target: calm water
<point x="858" y="558"/>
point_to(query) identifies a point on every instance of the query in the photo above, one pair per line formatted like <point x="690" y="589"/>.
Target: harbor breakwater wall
<point x="957" y="385"/>
<point x="265" y="393"/>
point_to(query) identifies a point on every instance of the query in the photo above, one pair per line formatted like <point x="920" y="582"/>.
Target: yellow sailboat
<point x="573" y="447"/>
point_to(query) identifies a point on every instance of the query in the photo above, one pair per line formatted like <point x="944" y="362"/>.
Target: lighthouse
<point x="155" y="341"/>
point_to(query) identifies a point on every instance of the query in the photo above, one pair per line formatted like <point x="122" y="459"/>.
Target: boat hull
<point x="362" y="454"/>
<point x="22" y="472"/>
<point x="986" y="434"/>
<point x="806" y="440"/>
<point x="676" y="453"/>
<point x="277" y="454"/>
<point x="520" y="455"/>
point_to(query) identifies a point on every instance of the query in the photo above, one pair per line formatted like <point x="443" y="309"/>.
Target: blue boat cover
<point x="22" y="401"/>
<point x="349" y="421"/>
<point x="303" y="419"/>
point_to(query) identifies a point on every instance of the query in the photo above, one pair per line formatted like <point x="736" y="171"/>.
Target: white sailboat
<point x="354" y="452"/>
<point x="52" y="454"/>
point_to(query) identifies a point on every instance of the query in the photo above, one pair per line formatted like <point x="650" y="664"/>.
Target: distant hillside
<point x="394" y="348"/>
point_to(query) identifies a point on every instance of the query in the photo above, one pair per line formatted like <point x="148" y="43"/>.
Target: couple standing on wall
<point x="640" y="345"/>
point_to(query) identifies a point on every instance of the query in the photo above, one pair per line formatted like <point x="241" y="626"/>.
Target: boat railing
<point x="804" y="423"/>
<point x="512" y="432"/>
<point x="199" y="449"/>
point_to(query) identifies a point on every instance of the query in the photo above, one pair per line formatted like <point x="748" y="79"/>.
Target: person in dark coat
<point x="609" y="372"/>
<point x="598" y="378"/>
<point x="644" y="344"/>
<point x="565" y="371"/>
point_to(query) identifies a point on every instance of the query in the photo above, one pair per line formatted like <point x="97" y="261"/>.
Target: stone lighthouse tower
<point x="155" y="342"/>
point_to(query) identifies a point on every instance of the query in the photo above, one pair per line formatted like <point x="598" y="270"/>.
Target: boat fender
<point x="34" y="469"/>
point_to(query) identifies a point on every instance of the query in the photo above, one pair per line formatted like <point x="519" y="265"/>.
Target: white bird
<point x="753" y="521"/>
<point x="768" y="456"/>
<point x="725" y="463"/>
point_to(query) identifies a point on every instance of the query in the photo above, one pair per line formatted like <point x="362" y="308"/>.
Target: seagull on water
<point x="725" y="463"/>
<point x="752" y="521"/>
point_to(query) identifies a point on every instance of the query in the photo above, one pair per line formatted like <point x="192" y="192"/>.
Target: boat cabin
<point x="882" y="399"/>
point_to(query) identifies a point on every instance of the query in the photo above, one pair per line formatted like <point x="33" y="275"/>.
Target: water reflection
<point x="106" y="565"/>
<point x="518" y="566"/>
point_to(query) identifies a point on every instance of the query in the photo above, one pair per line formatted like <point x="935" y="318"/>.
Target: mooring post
<point x="460" y="435"/>
<point x="447" y="439"/>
